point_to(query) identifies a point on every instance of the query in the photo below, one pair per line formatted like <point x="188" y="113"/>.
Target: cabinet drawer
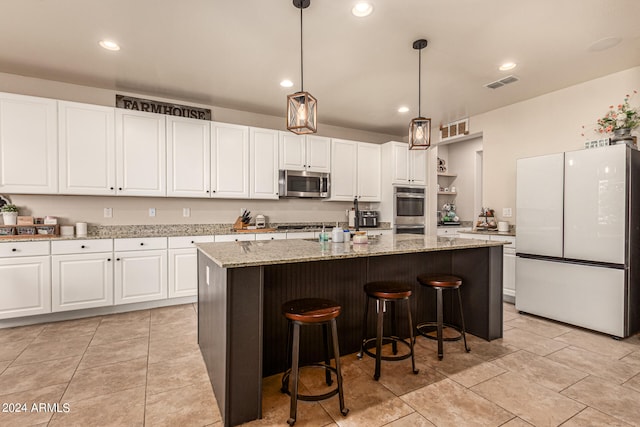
<point x="12" y="249"/>
<point x="271" y="236"/>
<point x="140" y="244"/>
<point x="81" y="246"/>
<point x="240" y="237"/>
<point x="188" y="241"/>
<point x="301" y="235"/>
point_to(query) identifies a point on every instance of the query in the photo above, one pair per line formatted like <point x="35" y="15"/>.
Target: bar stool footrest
<point x="434" y="325"/>
<point x="386" y="340"/>
<point x="310" y="397"/>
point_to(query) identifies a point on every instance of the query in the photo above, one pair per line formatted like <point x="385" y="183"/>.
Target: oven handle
<point x="410" y="196"/>
<point x="410" y="226"/>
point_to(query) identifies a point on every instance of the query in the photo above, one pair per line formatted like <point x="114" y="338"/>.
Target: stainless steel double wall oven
<point x="409" y="210"/>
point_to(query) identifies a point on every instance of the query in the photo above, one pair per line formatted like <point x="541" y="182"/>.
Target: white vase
<point x="10" y="218"/>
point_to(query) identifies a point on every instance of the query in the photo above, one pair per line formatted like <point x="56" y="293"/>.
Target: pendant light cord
<point x="301" y="56"/>
<point x="419" y="74"/>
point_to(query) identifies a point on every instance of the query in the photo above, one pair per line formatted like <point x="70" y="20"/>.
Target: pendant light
<point x="301" y="106"/>
<point x="420" y="127"/>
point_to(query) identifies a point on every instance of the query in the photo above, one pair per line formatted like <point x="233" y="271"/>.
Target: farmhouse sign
<point x="139" y="104"/>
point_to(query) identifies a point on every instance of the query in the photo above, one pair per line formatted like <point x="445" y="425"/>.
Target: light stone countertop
<point x="160" y="230"/>
<point x="268" y="252"/>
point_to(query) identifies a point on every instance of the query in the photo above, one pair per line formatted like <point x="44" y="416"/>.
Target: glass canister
<point x="360" y="237"/>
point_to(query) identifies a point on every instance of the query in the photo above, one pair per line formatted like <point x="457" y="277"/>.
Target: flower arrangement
<point x="622" y="117"/>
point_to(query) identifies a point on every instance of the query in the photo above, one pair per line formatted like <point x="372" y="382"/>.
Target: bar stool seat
<point x="304" y="312"/>
<point x="440" y="283"/>
<point x="383" y="292"/>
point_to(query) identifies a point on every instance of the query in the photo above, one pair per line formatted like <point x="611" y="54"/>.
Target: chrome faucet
<point x="357" y="215"/>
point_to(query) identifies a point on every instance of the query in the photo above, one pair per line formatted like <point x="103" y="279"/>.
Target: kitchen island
<point x="242" y="285"/>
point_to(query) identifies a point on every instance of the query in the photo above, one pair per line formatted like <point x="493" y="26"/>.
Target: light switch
<point x="152" y="211"/>
<point x="186" y="212"/>
<point x="506" y="212"/>
<point x="108" y="212"/>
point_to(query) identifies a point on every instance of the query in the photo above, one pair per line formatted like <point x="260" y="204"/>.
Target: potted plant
<point x="9" y="214"/>
<point x="620" y="121"/>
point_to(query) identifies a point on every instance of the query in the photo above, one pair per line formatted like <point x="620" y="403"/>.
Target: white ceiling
<point x="234" y="53"/>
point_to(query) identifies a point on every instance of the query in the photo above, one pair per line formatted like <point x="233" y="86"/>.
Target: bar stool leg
<point x="464" y="336"/>
<point x="364" y="326"/>
<point x="336" y="355"/>
<point x="411" y="340"/>
<point x="376" y="375"/>
<point x="439" y="320"/>
<point x="394" y="333"/>
<point x="325" y="338"/>
<point x="294" y="370"/>
<point x="285" y="378"/>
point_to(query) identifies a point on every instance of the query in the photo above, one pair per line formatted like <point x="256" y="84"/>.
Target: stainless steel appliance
<point x="578" y="252"/>
<point x="368" y="219"/>
<point x="409" y="210"/>
<point x="303" y="184"/>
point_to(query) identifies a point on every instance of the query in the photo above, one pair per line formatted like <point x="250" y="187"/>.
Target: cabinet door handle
<point x="14" y="250"/>
<point x="111" y="188"/>
<point x="141" y="243"/>
<point x="109" y="259"/>
<point x="192" y="242"/>
<point x="117" y="259"/>
<point x="214" y="191"/>
<point x="207" y="191"/>
<point x="83" y="246"/>
<point x="120" y="188"/>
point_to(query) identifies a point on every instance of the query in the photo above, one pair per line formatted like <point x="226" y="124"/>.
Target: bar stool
<point x="383" y="292"/>
<point x="304" y="312"/>
<point x="439" y="283"/>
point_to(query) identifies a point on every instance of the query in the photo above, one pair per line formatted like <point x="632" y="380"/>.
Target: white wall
<point x="546" y="124"/>
<point x="461" y="159"/>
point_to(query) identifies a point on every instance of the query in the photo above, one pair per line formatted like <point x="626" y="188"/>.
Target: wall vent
<point x="502" y="82"/>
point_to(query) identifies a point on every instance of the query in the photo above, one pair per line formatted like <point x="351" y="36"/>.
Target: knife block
<point x="239" y="225"/>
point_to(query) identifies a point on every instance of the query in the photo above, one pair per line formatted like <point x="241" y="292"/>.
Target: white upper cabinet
<point x="188" y="157"/>
<point x="408" y="166"/>
<point x="305" y="152"/>
<point x="86" y="143"/>
<point x="344" y="162"/>
<point x="355" y="171"/>
<point x="140" y="153"/>
<point x="368" y="172"/>
<point x="263" y="166"/>
<point x="229" y="161"/>
<point x="28" y="145"/>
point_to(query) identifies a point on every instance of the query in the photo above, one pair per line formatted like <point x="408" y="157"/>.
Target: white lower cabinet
<point x="183" y="265"/>
<point x="140" y="269"/>
<point x="81" y="274"/>
<point x="25" y="279"/>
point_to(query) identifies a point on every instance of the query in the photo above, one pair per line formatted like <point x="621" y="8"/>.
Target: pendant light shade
<point x="302" y="117"/>
<point x="420" y="127"/>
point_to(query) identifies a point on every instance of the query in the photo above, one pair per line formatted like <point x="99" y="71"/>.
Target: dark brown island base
<point x="242" y="286"/>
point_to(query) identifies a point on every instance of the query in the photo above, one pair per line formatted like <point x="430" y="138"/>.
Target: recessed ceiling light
<point x="403" y="109"/>
<point x="604" y="44"/>
<point x="109" y="45"/>
<point x="286" y="83"/>
<point x="362" y="9"/>
<point x="507" y="66"/>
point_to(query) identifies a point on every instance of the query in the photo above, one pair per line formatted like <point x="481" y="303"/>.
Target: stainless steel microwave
<point x="304" y="184"/>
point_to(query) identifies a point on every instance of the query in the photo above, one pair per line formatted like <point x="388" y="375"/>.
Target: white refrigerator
<point x="578" y="238"/>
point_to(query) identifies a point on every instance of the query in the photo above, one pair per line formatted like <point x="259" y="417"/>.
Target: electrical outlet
<point x="506" y="212"/>
<point x="152" y="211"/>
<point x="108" y="212"/>
<point x="186" y="212"/>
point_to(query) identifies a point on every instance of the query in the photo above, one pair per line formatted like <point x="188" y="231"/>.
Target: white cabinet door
<point x="344" y="163"/>
<point x="263" y="163"/>
<point x="539" y="200"/>
<point x="369" y="178"/>
<point x="400" y="163"/>
<point x="509" y="272"/>
<point x="418" y="167"/>
<point x="595" y="204"/>
<point x="318" y="153"/>
<point x="229" y="161"/>
<point x="188" y="157"/>
<point x="140" y="276"/>
<point x="25" y="286"/>
<point x="86" y="141"/>
<point x="81" y="281"/>
<point x="183" y="272"/>
<point x="28" y="145"/>
<point x="292" y="151"/>
<point x="140" y="153"/>
<point x="239" y="237"/>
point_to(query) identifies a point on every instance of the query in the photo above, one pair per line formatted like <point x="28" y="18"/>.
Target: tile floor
<point x="145" y="368"/>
